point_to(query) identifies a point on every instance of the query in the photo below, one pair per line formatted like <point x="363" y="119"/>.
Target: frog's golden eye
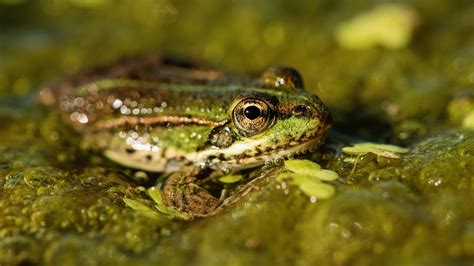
<point x="252" y="116"/>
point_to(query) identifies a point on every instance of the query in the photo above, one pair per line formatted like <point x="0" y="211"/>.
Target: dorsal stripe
<point x="156" y="120"/>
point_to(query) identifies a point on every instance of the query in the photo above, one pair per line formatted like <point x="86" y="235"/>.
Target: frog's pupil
<point x="252" y="112"/>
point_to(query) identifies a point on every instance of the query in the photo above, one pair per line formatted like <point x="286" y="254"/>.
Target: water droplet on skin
<point x="54" y="136"/>
<point x="99" y="105"/>
<point x="141" y="176"/>
<point x="117" y="103"/>
<point x="279" y="161"/>
<point x="203" y="165"/>
<point x="122" y="134"/>
<point x="269" y="163"/>
<point x="290" y="156"/>
<point x="93" y="89"/>
<point x="225" y="169"/>
<point x="78" y="102"/>
<point x="78" y="117"/>
<point x="124" y="110"/>
<point x="90" y="108"/>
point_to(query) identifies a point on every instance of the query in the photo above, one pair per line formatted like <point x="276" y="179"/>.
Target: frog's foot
<point x="181" y="192"/>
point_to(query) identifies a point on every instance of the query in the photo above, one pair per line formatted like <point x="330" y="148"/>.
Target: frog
<point x="191" y="124"/>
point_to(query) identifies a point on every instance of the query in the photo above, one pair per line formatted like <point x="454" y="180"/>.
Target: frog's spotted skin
<point x="189" y="122"/>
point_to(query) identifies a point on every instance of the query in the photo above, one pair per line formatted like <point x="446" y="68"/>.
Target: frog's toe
<point x="191" y="199"/>
<point x="198" y="202"/>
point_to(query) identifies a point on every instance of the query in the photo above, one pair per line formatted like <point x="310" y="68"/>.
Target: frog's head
<point x="268" y="123"/>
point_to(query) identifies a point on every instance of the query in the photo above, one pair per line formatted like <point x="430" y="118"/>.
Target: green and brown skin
<point x="150" y="114"/>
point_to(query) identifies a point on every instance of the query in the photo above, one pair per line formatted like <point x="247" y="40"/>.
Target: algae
<point x="61" y="204"/>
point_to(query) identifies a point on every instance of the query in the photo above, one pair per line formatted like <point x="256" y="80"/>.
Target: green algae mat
<point x="394" y="183"/>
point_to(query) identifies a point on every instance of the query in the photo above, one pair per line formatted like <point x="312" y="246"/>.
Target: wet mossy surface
<point x="61" y="204"/>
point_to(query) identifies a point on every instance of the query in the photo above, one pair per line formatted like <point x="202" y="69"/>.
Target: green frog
<point x="193" y="124"/>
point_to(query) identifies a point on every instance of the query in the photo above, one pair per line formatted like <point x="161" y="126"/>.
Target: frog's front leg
<point x="182" y="193"/>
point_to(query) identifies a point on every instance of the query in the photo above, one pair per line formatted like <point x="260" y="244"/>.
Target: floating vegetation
<point x="388" y="25"/>
<point x="229" y="179"/>
<point x="143" y="208"/>
<point x="302" y="166"/>
<point x="309" y="177"/>
<point x="383" y="150"/>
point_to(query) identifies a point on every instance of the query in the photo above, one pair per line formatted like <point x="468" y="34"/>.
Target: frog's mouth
<point x="274" y="157"/>
<point x="248" y="154"/>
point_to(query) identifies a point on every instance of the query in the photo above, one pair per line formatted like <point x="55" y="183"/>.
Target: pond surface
<point x="61" y="204"/>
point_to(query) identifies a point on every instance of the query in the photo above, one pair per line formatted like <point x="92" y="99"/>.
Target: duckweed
<point x="317" y="189"/>
<point x="229" y="179"/>
<point x="302" y="166"/>
<point x="383" y="150"/>
<point x="308" y="176"/>
<point x="143" y="208"/>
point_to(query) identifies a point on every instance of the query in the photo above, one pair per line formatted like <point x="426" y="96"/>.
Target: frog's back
<point x="148" y="68"/>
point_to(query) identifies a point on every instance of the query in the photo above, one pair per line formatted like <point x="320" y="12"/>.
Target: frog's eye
<point x="281" y="78"/>
<point x="252" y="116"/>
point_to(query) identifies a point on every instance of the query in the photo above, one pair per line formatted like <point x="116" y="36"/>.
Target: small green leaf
<point x="326" y="175"/>
<point x="229" y="179"/>
<point x="305" y="167"/>
<point x="155" y="195"/>
<point x="317" y="189"/>
<point x="357" y="150"/>
<point x="385" y="147"/>
<point x="301" y="179"/>
<point x="384" y="150"/>
<point x="144" y="209"/>
<point x="350" y="160"/>
<point x="137" y="205"/>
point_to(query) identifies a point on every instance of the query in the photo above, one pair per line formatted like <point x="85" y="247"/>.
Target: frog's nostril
<point x="302" y="110"/>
